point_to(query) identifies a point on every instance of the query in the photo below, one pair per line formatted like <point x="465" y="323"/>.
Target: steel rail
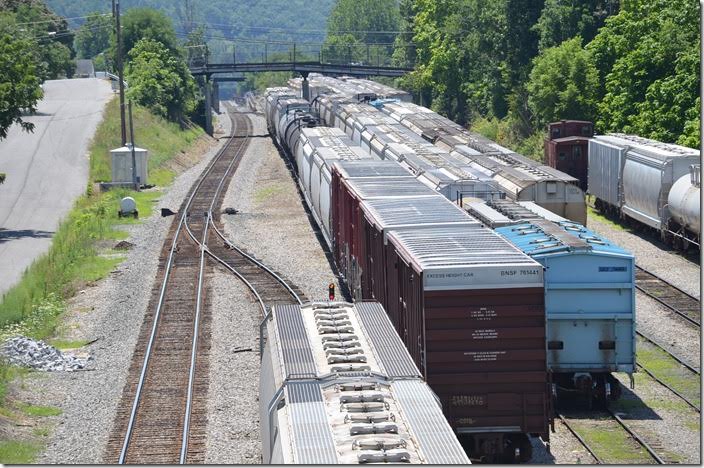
<point x="661" y="382"/>
<point x="147" y="355"/>
<point x="581" y="440"/>
<point x="665" y="303"/>
<point x="638" y="438"/>
<point x="194" y="348"/>
<point x="240" y="276"/>
<point x="671" y="354"/>
<point x="259" y="264"/>
<point x="162" y="296"/>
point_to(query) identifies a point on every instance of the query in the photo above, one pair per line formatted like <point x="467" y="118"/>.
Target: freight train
<point x="338" y="386"/>
<point x="649" y="183"/>
<point x="447" y="152"/>
<point x="470" y="311"/>
<point x="371" y="178"/>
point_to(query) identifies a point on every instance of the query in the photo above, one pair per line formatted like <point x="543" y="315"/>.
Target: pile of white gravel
<point x="26" y="352"/>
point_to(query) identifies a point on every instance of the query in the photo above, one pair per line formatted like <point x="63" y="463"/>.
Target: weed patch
<point x="669" y="371"/>
<point x="18" y="452"/>
<point x="37" y="410"/>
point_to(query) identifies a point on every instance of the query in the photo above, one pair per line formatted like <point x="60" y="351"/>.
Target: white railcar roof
<point x="350" y="391"/>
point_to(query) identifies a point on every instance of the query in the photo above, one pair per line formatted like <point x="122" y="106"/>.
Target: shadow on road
<point x="7" y="235"/>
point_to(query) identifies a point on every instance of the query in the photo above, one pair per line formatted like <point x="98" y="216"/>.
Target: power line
<point x="60" y="19"/>
<point x="300" y="30"/>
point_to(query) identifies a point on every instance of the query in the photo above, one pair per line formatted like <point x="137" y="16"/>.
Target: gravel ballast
<point x="271" y="222"/>
<point x="233" y="394"/>
<point x="110" y="312"/>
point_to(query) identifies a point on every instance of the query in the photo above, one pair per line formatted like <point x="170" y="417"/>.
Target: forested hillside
<point x="249" y="21"/>
<point x="508" y="67"/>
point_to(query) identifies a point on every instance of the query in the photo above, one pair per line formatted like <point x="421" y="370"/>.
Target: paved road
<point x="46" y="170"/>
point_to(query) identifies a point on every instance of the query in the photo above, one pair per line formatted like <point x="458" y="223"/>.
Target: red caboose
<point x="566" y="148"/>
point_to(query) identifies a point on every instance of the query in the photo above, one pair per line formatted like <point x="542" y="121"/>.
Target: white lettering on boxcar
<point x="482" y="314"/>
<point x="483" y="356"/>
<point x="486" y="334"/>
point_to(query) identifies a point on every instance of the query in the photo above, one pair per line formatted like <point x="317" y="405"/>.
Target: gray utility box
<point x="122" y="164"/>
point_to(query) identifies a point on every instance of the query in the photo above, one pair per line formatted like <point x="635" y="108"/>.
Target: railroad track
<point x="679" y="360"/>
<point x="669" y="295"/>
<point x="162" y="414"/>
<point x="615" y="421"/>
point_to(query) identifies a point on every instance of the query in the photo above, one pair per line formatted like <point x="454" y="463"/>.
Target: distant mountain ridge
<point x="254" y="20"/>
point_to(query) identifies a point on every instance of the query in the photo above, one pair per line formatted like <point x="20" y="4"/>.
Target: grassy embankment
<point x="80" y="255"/>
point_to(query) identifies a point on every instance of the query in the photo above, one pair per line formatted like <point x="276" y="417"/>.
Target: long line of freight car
<point x="580" y="361"/>
<point x="359" y="196"/>
<point x="468" y="305"/>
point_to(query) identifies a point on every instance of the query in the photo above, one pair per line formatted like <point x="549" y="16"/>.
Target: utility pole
<point x="118" y="33"/>
<point x="135" y="182"/>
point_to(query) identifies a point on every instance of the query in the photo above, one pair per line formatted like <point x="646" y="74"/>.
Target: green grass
<point x="162" y="138"/>
<point x="41" y="431"/>
<point x="67" y="344"/>
<point x="18" y="452"/>
<point x="268" y="192"/>
<point x="78" y="254"/>
<point x="669" y="371"/>
<point x="38" y="410"/>
<point x="611" y="443"/>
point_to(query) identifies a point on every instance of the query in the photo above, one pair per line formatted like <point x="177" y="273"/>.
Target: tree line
<point x="508" y="67"/>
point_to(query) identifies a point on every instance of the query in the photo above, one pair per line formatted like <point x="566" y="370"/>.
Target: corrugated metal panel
<point x="388" y="213"/>
<point x="293" y="341"/>
<point x="385" y="187"/>
<point x="437" y="441"/>
<point x="385" y="341"/>
<point x="312" y="440"/>
<point x="370" y="168"/>
<point x="451" y="246"/>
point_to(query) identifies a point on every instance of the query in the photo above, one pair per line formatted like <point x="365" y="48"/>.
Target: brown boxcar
<point x="568" y="128"/>
<point x="569" y="155"/>
<point x="470" y="308"/>
<point x="566" y="148"/>
<point x="356" y="181"/>
<point x="379" y="216"/>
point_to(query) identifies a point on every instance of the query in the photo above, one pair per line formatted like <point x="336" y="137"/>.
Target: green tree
<point x="19" y="78"/>
<point x="53" y="51"/>
<point x="93" y="37"/>
<point x="563" y="84"/>
<point x="160" y="80"/>
<point x="648" y="67"/>
<point x="355" y="26"/>
<point x="564" y="19"/>
<point x="147" y="23"/>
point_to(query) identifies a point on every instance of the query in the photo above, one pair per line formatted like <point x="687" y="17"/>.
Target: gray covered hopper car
<point x="632" y="177"/>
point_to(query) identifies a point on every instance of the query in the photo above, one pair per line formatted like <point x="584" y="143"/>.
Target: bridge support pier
<point x="207" y="92"/>
<point x="216" y="97"/>
<point x="305" y="87"/>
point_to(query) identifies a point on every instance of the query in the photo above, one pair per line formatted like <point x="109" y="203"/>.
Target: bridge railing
<point x="375" y="55"/>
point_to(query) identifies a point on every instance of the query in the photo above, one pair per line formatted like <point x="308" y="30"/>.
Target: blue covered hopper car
<point x="589" y="301"/>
